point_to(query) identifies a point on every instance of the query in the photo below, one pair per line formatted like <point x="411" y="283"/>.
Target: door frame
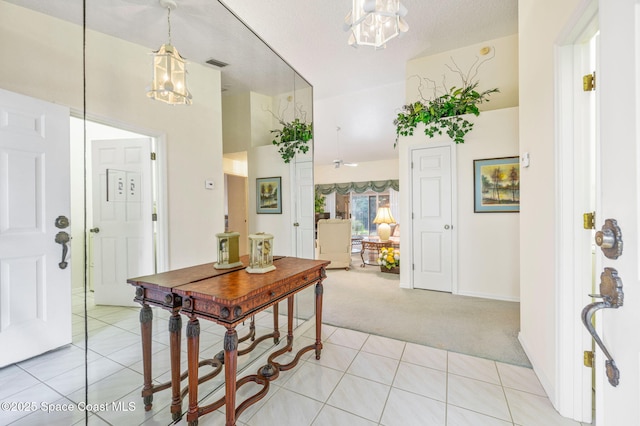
<point x="454" y="214"/>
<point x="573" y="396"/>
<point x="159" y="173"/>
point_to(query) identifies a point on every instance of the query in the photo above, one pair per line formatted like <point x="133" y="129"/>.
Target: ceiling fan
<point x="339" y="162"/>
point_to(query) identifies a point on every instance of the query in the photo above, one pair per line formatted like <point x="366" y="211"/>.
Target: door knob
<point x="609" y="239"/>
<point x="94" y="230"/>
<point x="447" y="227"/>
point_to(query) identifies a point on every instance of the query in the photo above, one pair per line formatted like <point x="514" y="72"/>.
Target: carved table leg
<point x="175" y="333"/>
<point x="276" y="327"/>
<point x="230" y="370"/>
<point x="193" y="350"/>
<point x="146" y="319"/>
<point x="290" y="322"/>
<point x="319" y="291"/>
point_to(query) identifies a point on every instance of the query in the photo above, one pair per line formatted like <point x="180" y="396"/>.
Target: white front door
<point x="618" y="84"/>
<point x="35" y="285"/>
<point x="122" y="228"/>
<point x="432" y="218"/>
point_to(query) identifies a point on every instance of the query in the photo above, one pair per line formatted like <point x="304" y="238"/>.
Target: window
<point x="363" y="211"/>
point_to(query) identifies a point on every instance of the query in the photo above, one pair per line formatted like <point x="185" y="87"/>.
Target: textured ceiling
<point x="309" y="35"/>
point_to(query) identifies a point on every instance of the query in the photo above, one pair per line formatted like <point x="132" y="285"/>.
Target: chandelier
<point x="169" y="82"/>
<point x="375" y="22"/>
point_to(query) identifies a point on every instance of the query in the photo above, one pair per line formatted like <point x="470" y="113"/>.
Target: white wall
<point x="488" y="243"/>
<point x="363" y="129"/>
<point x="540" y="23"/>
<point x="488" y="260"/>
<point x="366" y="171"/>
<point x="500" y="72"/>
<point x="46" y="63"/>
<point x="264" y="161"/>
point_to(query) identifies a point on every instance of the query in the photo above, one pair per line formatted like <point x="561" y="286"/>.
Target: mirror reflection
<point x="146" y="185"/>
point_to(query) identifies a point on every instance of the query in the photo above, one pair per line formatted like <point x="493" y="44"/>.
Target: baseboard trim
<point x="488" y="296"/>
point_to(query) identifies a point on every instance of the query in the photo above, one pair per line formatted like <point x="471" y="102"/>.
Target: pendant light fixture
<point x="375" y="22"/>
<point x="169" y="82"/>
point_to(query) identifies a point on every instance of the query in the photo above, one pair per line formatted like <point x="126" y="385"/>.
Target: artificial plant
<point x="445" y="112"/>
<point x="294" y="135"/>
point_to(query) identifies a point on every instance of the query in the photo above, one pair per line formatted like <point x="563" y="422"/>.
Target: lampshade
<point x="375" y="22"/>
<point x="384" y="216"/>
<point x="383" y="219"/>
<point x="169" y="82"/>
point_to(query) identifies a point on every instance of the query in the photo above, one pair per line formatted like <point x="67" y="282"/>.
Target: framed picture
<point x="496" y="184"/>
<point x="269" y="195"/>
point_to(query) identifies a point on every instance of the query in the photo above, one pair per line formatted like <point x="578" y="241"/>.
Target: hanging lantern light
<point x="169" y="82"/>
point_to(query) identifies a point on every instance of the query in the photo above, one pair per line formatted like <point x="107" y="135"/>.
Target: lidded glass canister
<point x="260" y="253"/>
<point x="228" y="250"/>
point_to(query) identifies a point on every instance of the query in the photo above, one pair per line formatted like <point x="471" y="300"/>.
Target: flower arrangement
<point x="389" y="257"/>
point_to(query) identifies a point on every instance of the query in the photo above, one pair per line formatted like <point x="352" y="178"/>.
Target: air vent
<point x="216" y="63"/>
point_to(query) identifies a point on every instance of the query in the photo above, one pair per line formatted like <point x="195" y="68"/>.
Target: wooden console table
<point x="227" y="297"/>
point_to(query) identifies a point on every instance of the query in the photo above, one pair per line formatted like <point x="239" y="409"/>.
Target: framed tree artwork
<point x="269" y="195"/>
<point x="496" y="184"/>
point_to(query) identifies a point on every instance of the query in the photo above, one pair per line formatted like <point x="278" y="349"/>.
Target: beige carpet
<point x="368" y="300"/>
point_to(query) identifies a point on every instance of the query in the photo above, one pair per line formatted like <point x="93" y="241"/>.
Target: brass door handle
<point x="94" y="230"/>
<point x="613" y="297"/>
<point x="63" y="238"/>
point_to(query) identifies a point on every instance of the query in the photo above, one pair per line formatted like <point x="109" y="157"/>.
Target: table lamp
<point x="260" y="253"/>
<point x="383" y="219"/>
<point x="228" y="250"/>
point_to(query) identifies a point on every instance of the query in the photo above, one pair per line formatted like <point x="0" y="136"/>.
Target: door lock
<point x="610" y="239"/>
<point x="62" y="222"/>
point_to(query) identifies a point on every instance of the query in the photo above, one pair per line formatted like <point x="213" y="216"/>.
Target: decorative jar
<point x="260" y="253"/>
<point x="228" y="250"/>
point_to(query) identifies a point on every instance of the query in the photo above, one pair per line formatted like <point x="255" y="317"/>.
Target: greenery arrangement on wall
<point x="293" y="138"/>
<point x="445" y="112"/>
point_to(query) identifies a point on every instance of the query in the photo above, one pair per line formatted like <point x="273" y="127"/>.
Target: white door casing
<point x="432" y="210"/>
<point x="35" y="293"/>
<point x="122" y="213"/>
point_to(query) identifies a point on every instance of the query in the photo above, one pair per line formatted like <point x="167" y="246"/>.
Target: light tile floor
<point x="361" y="379"/>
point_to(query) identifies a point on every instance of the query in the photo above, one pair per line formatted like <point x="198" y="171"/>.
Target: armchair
<point x="334" y="242"/>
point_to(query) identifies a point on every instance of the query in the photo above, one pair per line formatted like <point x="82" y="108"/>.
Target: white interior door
<point x="619" y="95"/>
<point x="236" y="195"/>
<point x="35" y="292"/>
<point x="432" y="218"/>
<point x="304" y="210"/>
<point x="122" y="228"/>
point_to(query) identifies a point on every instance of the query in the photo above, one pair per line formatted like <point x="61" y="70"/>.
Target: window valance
<point x="358" y="187"/>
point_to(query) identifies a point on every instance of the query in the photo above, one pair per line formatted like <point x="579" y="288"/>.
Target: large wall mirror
<point x="207" y="157"/>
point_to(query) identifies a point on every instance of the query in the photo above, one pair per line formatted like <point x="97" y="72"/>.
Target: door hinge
<point x="412" y="164"/>
<point x="153" y="156"/>
<point x="411" y="215"/>
<point x="413" y="266"/>
<point x="589" y="220"/>
<point x="154" y="217"/>
<point x="589" y="82"/>
<point x="588" y="359"/>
